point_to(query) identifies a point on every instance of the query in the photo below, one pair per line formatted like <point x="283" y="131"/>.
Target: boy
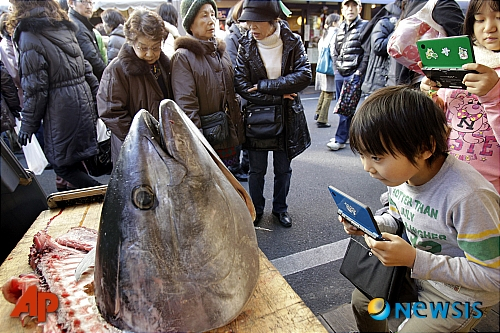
<point x="451" y="213"/>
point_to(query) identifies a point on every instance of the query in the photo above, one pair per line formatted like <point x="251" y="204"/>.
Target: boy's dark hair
<point x="168" y="13"/>
<point x="399" y="120"/>
<point x="112" y="18"/>
<point x="474" y="5"/>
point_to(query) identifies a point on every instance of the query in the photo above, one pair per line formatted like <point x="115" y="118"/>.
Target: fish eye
<point x="143" y="197"/>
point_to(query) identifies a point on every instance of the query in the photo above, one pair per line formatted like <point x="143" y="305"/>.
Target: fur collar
<point x="37" y="24"/>
<point x="486" y="57"/>
<point x="134" y="66"/>
<point x="200" y="47"/>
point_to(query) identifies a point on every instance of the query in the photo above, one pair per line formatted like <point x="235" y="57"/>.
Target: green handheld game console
<point x="442" y="60"/>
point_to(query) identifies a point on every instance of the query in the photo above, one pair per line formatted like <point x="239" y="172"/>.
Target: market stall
<point x="274" y="306"/>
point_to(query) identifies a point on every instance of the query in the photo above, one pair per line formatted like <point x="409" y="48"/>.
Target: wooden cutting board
<point x="274" y="306"/>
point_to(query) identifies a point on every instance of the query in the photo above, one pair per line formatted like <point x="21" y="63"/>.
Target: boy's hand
<point x="480" y="84"/>
<point x="393" y="252"/>
<point x="349" y="228"/>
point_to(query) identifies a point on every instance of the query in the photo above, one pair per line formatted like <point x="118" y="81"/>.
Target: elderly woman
<point x="202" y="78"/>
<point x="271" y="69"/>
<point x="138" y="79"/>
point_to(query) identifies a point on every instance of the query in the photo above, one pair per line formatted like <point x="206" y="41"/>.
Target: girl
<point x="324" y="82"/>
<point x="474" y="114"/>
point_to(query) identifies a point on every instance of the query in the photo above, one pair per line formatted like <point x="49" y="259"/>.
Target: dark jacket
<point x="378" y="64"/>
<point x="88" y="42"/>
<point x="295" y="76"/>
<point x="128" y="86"/>
<point x="232" y="42"/>
<point x="59" y="88"/>
<point x="348" y="54"/>
<point x="116" y="40"/>
<point x="202" y="79"/>
<point x="10" y="107"/>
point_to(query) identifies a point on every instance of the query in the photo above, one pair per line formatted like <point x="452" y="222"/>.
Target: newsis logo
<point x="379" y="309"/>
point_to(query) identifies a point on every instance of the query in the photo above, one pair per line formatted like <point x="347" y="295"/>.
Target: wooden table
<point x="274" y="306"/>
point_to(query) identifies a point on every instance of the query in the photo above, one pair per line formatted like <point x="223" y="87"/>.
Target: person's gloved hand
<point x="24" y="137"/>
<point x="16" y="113"/>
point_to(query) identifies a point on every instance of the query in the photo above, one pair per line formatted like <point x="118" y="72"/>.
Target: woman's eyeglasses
<point x="146" y="49"/>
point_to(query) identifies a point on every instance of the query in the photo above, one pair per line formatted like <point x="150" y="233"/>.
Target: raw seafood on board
<point x="54" y="265"/>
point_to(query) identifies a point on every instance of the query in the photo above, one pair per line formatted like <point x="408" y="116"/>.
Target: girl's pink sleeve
<point x="491" y="104"/>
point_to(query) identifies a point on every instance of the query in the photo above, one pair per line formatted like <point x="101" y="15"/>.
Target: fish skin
<point x="188" y="261"/>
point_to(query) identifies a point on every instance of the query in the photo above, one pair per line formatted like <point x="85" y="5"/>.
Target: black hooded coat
<point x="59" y="88"/>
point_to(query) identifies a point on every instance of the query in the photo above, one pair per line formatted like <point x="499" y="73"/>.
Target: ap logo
<point x="37" y="304"/>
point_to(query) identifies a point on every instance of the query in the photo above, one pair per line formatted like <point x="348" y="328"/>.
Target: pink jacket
<point x="475" y="128"/>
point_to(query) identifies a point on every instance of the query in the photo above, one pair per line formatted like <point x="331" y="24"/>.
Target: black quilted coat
<point x="348" y="55"/>
<point x="296" y="76"/>
<point x="59" y="88"/>
<point x="88" y="42"/>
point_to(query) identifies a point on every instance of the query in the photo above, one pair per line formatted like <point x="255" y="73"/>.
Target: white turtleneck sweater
<point x="271" y="52"/>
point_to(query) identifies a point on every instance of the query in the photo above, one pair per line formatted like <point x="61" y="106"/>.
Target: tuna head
<point x="176" y="249"/>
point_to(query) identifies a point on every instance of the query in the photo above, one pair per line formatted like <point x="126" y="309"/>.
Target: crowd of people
<point x="59" y="75"/>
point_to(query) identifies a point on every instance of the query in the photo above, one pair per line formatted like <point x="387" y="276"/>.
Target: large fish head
<point x="176" y="249"/>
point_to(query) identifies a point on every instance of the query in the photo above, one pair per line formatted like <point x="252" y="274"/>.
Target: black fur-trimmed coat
<point x="127" y="86"/>
<point x="202" y="79"/>
<point x="59" y="88"/>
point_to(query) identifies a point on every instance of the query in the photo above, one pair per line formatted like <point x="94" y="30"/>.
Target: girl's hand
<point x="254" y="88"/>
<point x="393" y="252"/>
<point x="349" y="228"/>
<point x="428" y="86"/>
<point x="480" y="84"/>
<point x="290" y="96"/>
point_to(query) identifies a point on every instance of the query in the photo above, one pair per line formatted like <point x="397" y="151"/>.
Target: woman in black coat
<point x="271" y="69"/>
<point x="59" y="88"/>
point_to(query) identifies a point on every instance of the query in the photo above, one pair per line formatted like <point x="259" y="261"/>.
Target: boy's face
<point x="395" y="170"/>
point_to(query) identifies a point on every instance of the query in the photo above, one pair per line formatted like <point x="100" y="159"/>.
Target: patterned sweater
<point x="475" y="122"/>
<point x="453" y="221"/>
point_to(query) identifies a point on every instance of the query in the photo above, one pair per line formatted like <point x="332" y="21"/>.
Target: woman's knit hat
<point x="189" y="9"/>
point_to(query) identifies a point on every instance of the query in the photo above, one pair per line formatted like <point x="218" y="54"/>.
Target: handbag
<point x="402" y="44"/>
<point x="365" y="271"/>
<point x="215" y="127"/>
<point x="263" y="122"/>
<point x="101" y="164"/>
<point x="325" y="61"/>
<point x="349" y="97"/>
